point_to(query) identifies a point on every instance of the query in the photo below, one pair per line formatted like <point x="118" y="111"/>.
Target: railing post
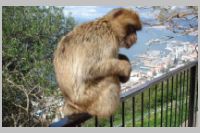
<point x="192" y="96"/>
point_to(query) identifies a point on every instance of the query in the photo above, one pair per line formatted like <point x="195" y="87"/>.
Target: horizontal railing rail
<point x="136" y="90"/>
<point x="178" y="98"/>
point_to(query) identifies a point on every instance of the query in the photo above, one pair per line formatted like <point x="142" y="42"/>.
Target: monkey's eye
<point x="131" y="29"/>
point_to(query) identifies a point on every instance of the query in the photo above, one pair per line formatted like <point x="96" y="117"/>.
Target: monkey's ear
<point x="116" y="12"/>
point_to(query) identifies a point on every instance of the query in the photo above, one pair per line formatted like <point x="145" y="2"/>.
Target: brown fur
<point x="87" y="66"/>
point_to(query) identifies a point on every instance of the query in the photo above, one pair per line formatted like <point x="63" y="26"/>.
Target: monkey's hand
<point x="123" y="79"/>
<point x="127" y="71"/>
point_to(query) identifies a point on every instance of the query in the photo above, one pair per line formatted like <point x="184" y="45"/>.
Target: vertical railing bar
<point x="133" y="111"/>
<point x="111" y="121"/>
<point x="96" y="121"/>
<point x="172" y="89"/>
<point x="123" y="114"/>
<point x="142" y="109"/>
<point x="155" y="111"/>
<point x="186" y="113"/>
<point x="183" y="98"/>
<point x="196" y="105"/>
<point x="149" y="109"/>
<point x="166" y="124"/>
<point x="176" y="98"/>
<point x="179" y="120"/>
<point x="192" y="96"/>
<point x="161" y="122"/>
<point x="196" y="98"/>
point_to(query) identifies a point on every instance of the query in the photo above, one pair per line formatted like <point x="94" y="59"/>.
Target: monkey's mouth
<point x="128" y="45"/>
<point x="130" y="41"/>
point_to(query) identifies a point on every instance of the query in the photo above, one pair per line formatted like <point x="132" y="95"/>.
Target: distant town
<point x="154" y="63"/>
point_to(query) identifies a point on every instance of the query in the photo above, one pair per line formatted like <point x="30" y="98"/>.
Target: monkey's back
<point x="80" y="49"/>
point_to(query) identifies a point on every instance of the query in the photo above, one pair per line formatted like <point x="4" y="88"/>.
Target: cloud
<point x="92" y="12"/>
<point x="87" y="12"/>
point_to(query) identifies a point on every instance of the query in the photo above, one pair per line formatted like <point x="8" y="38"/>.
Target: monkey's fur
<point x="86" y="63"/>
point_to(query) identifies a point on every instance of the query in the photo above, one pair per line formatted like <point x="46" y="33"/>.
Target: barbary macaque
<point x="87" y="64"/>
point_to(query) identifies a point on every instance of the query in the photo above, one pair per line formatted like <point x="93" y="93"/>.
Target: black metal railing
<point x="166" y="101"/>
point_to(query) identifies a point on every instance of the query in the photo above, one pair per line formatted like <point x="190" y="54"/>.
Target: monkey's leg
<point x="109" y="67"/>
<point x="85" y="94"/>
<point x="70" y="109"/>
<point x="123" y="79"/>
<point x="79" y="101"/>
<point x="98" y="99"/>
<point x="108" y="99"/>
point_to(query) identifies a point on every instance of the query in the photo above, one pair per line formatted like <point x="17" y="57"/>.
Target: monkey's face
<point x="130" y="36"/>
<point x="131" y="26"/>
<point x="126" y="23"/>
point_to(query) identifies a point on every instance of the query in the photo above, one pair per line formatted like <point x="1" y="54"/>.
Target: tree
<point x="30" y="35"/>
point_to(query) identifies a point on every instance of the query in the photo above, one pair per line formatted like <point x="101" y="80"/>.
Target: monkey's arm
<point x="110" y="67"/>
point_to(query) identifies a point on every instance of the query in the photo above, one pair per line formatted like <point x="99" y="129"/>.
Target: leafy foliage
<point x="30" y="35"/>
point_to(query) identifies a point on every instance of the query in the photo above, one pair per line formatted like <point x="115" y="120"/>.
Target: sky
<point x="86" y="13"/>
